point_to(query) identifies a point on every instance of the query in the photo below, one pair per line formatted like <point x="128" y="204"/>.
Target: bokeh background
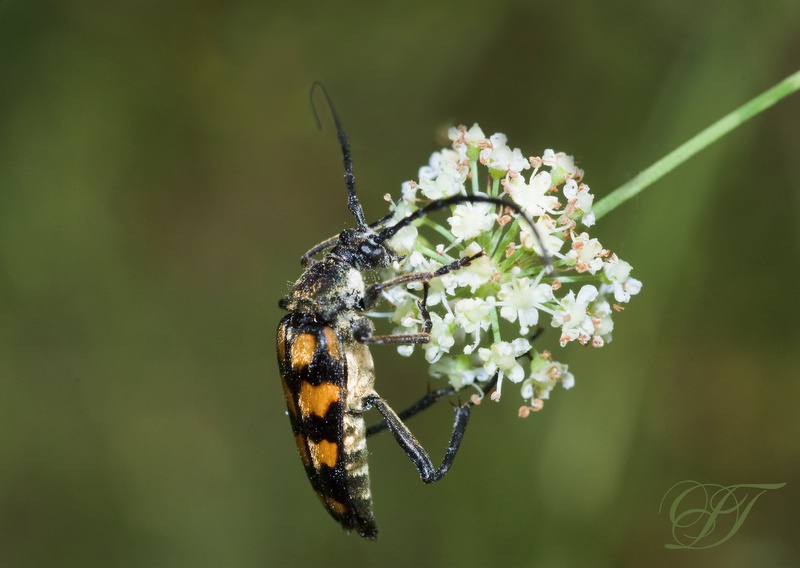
<point x="161" y="174"/>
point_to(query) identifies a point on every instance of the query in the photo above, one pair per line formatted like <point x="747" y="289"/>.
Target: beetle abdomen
<point x="331" y="438"/>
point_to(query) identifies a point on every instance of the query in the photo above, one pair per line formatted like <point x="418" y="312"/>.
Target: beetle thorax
<point x="327" y="288"/>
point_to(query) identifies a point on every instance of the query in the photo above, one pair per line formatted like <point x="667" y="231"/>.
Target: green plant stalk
<point x="473" y="168"/>
<point x="696" y="144"/>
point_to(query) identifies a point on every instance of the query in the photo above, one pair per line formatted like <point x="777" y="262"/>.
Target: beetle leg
<point x="363" y="334"/>
<point x="373" y="292"/>
<point x="428" y="400"/>
<point x="325" y="245"/>
<point x="411" y="446"/>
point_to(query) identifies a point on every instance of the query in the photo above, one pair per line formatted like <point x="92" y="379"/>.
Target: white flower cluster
<point x="484" y="314"/>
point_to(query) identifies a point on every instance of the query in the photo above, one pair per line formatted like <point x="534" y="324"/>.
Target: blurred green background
<point x="161" y="174"/>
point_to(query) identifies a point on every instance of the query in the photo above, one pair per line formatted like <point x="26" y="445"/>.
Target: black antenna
<point x="349" y="178"/>
<point x="437" y="204"/>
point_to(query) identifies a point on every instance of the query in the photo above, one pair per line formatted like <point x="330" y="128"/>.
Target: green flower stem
<point x="473" y="167"/>
<point x="438" y="228"/>
<point x="696" y="144"/>
<point x="577" y="279"/>
<point x="495" y="325"/>
<point x="495" y="188"/>
<point x="443" y="258"/>
<point x="498" y="247"/>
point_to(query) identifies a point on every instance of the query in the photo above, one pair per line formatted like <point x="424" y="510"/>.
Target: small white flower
<point x="405" y="350"/>
<point x="618" y="272"/>
<point x="439" y="291"/>
<point x="400" y="298"/>
<point x="502" y="158"/>
<point x="471" y="219"/>
<point x="520" y="298"/>
<point x="464" y="140"/>
<point x="404" y="240"/>
<point x="445" y="161"/>
<point x="442" y="337"/>
<point x="418" y="261"/>
<point x="477" y="273"/>
<point x="545" y="374"/>
<point x="533" y="196"/>
<point x="573" y="317"/>
<point x="461" y="371"/>
<point x="443" y="186"/>
<point x="549" y="233"/>
<point x="603" y="324"/>
<point x="408" y="201"/>
<point x="443" y="176"/>
<point x="549" y="158"/>
<point x="475" y="135"/>
<point x="586" y="254"/>
<point x="579" y="199"/>
<point x="472" y="314"/>
<point x="562" y="166"/>
<point x="501" y="358"/>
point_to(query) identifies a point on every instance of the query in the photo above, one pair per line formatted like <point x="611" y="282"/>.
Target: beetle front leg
<point x="373" y="292"/>
<point x="411" y="446"/>
<point x="362" y="330"/>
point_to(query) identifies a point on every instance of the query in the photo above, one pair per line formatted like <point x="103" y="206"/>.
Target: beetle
<point x="326" y="368"/>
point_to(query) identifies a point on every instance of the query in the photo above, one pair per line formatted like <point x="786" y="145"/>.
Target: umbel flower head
<point x="485" y="314"/>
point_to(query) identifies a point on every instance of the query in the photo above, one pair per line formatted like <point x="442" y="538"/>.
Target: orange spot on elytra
<point x="332" y="504"/>
<point x="324" y="452"/>
<point x="317" y="400"/>
<point x="303" y="351"/>
<point x="333" y="343"/>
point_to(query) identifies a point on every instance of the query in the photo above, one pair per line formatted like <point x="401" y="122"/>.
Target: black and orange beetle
<point x="326" y="366"/>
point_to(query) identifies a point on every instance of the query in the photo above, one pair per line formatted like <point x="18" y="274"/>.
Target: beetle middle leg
<point x="372" y="293"/>
<point x="362" y="330"/>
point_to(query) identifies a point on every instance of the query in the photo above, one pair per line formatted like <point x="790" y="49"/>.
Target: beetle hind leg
<point x="411" y="446"/>
<point x="431" y="398"/>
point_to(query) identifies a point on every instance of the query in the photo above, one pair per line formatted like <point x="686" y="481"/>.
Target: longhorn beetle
<point x="325" y="363"/>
